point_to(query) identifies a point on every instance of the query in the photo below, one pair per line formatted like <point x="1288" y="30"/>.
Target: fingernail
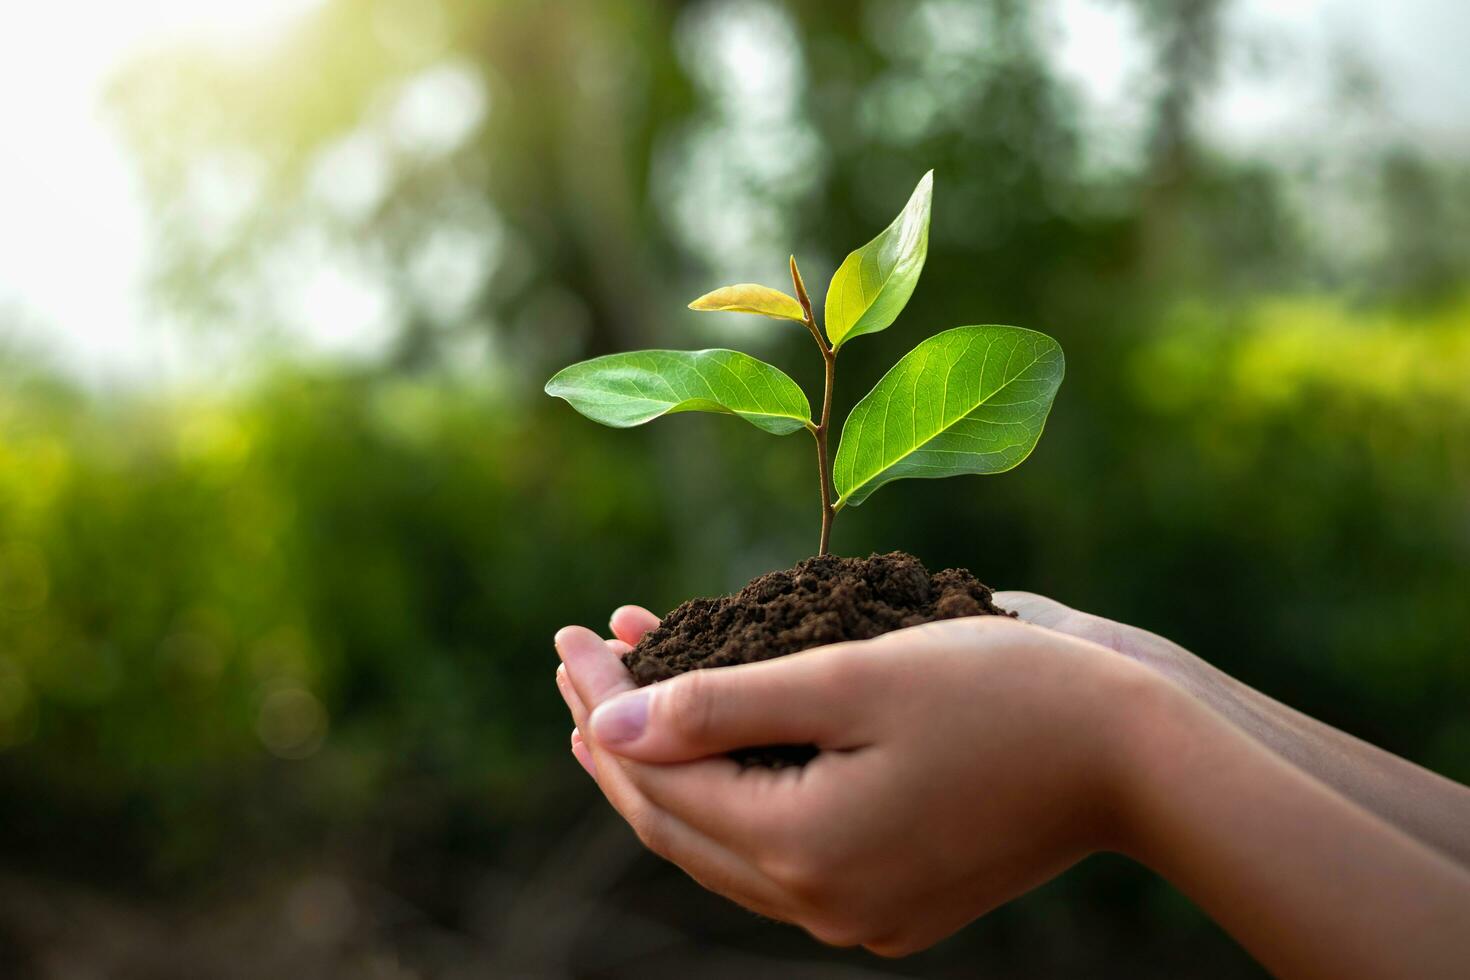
<point x="582" y="754"/>
<point x="622" y="719"/>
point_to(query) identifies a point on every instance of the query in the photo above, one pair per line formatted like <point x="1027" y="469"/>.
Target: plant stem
<point x="824" y="461"/>
<point x="821" y="430"/>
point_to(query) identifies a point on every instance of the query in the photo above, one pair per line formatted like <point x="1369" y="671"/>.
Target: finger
<point x="819" y="697"/>
<point x="1048" y="613"/>
<point x="1035" y="609"/>
<point x="738" y="808"/>
<point x="580" y="750"/>
<point x="590" y="671"/>
<point x="629" y="623"/>
<point x="708" y="862"/>
<point x="570" y="696"/>
<point x="569" y="693"/>
<point x="595" y="671"/>
<point x="586" y="659"/>
<point x="583" y="754"/>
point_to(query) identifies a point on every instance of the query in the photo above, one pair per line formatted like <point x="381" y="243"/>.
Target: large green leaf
<point x="968" y="400"/>
<point x="623" y="390"/>
<point x="870" y="288"/>
<point x="750" y="297"/>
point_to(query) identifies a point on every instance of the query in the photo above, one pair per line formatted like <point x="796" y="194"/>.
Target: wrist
<point x="1196" y="677"/>
<point x="1152" y="722"/>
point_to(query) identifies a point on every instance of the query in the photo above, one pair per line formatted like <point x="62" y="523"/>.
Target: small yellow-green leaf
<point x="623" y="390"/>
<point x="749" y="297"/>
<point x="968" y="400"/>
<point x="870" y="288"/>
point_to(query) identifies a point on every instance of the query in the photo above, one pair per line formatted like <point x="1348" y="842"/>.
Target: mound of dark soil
<point x="820" y="601"/>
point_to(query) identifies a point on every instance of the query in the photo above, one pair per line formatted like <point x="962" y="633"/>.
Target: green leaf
<point x="968" y="400"/>
<point x="870" y="288"/>
<point x="623" y="390"/>
<point x="749" y="297"/>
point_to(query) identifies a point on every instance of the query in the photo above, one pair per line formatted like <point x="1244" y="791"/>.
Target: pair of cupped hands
<point x="961" y="763"/>
<point x="966" y="761"/>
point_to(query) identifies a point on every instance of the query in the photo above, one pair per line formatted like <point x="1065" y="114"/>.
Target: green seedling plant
<point x="968" y="400"/>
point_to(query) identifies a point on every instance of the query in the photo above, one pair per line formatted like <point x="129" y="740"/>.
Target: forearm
<point x="1429" y="807"/>
<point x="1311" y="883"/>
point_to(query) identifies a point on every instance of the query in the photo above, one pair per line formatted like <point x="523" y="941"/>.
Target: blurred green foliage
<point x="349" y="571"/>
<point x="304" y="619"/>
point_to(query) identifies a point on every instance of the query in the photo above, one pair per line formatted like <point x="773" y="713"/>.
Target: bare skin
<point x="1421" y="803"/>
<point x="968" y="761"/>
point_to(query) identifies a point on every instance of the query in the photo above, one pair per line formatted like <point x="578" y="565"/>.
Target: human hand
<point x="963" y="763"/>
<point x="968" y="760"/>
<point x="1423" y="804"/>
<point x="1216" y="688"/>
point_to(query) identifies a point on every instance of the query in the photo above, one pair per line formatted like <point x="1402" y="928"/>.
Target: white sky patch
<point x="331" y="302"/>
<point x="745" y="55"/>
<point x="352" y="175"/>
<point x="437" y="110"/>
<point x="73" y="227"/>
<point x="450" y="267"/>
<point x="1279" y="89"/>
<point x="1098" y="48"/>
<point x="727" y="182"/>
<point x="1288" y="99"/>
<point x="220" y="191"/>
<point x="1425" y="65"/>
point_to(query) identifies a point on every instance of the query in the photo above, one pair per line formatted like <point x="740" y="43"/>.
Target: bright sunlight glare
<point x="72" y="228"/>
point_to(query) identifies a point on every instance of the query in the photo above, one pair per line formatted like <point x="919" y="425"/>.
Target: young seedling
<point x="967" y="400"/>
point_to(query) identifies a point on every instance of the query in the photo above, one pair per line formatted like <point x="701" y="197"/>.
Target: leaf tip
<point x="710" y="302"/>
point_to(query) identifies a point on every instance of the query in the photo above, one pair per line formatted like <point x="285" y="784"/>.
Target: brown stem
<point x="824" y="461"/>
<point x="821" y="430"/>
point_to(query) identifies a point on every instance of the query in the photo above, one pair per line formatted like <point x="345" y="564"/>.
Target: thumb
<point x="817" y="697"/>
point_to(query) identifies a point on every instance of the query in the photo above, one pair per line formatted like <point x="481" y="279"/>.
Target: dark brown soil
<point x="820" y="601"/>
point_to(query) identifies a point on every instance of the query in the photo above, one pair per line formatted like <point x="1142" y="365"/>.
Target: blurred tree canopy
<point x="310" y="613"/>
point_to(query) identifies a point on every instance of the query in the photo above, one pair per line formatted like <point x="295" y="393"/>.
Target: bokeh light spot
<point x="292" y="723"/>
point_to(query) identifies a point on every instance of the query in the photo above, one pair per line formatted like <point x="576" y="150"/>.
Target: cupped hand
<point x="962" y="763"/>
<point x="1158" y="654"/>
